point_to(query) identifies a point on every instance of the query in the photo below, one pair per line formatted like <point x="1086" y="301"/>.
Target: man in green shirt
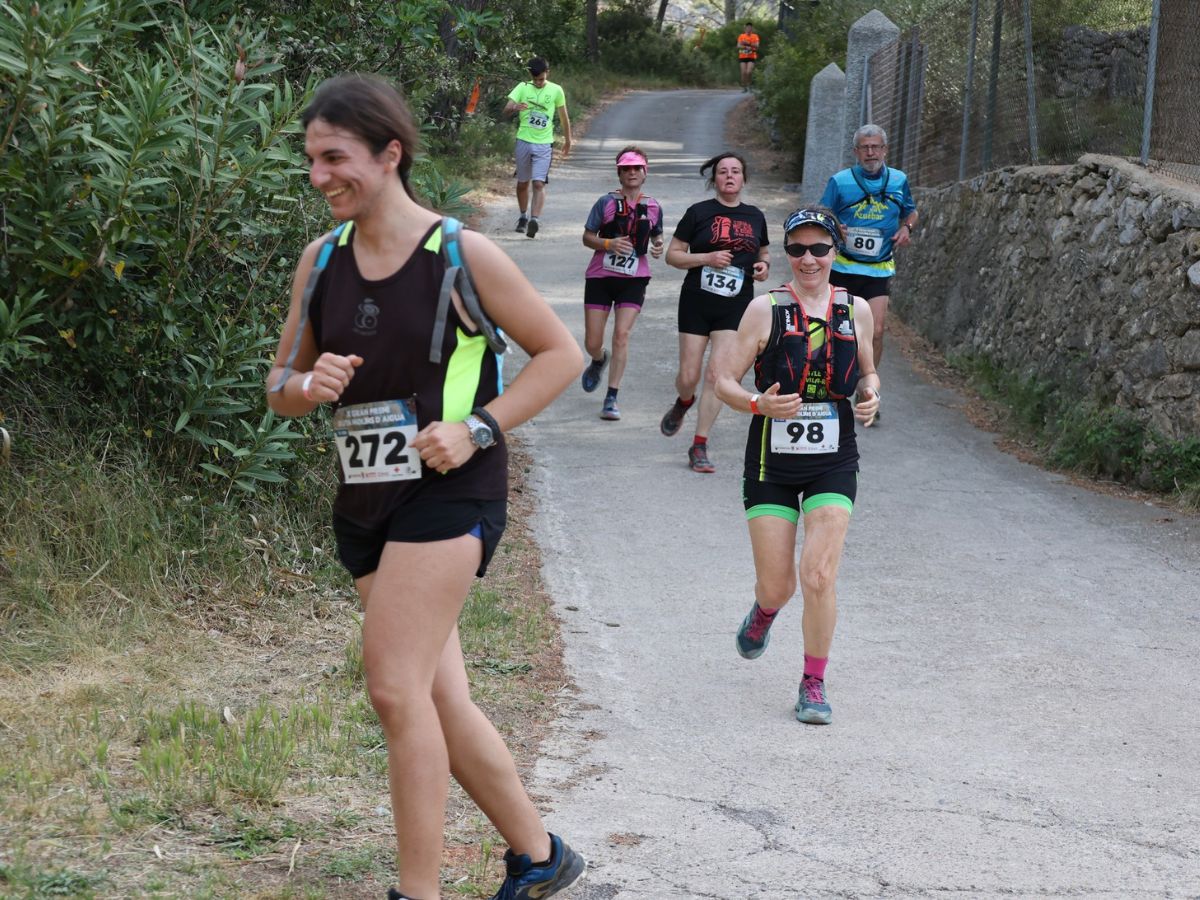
<point x="535" y="102"/>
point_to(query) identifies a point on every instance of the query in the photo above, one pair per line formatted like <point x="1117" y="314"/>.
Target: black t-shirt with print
<point x="711" y="225"/>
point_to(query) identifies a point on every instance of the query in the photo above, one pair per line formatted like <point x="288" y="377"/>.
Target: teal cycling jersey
<point x="872" y="209"/>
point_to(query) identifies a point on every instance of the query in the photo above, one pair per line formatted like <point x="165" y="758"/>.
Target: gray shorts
<point x="533" y="161"/>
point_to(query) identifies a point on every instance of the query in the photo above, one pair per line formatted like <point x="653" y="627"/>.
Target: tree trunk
<point x="1176" y="117"/>
<point x="446" y="107"/>
<point x="662" y="14"/>
<point x="731" y="11"/>
<point x="593" y="33"/>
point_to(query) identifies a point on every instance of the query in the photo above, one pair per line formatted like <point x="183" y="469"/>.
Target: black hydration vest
<point x="631" y="222"/>
<point x="827" y="370"/>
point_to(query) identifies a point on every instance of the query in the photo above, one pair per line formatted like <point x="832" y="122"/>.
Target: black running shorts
<point x="420" y="522"/>
<point x="763" y="498"/>
<point x="605" y="293"/>
<point x="865" y="286"/>
<point x="703" y="313"/>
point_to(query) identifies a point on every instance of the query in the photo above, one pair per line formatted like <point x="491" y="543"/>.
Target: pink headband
<point x="630" y="158"/>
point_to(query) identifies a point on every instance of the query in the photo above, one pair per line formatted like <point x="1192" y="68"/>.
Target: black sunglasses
<point x="817" y="250"/>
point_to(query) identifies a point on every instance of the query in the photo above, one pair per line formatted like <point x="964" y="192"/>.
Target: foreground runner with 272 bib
<point x="412" y="370"/>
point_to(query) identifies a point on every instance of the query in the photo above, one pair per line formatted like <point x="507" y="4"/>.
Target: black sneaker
<point x="698" y="459"/>
<point x="394" y="894"/>
<point x="524" y="881"/>
<point x="591" y="375"/>
<point x="522" y="223"/>
<point x="531" y="231"/>
<point x="674" y="418"/>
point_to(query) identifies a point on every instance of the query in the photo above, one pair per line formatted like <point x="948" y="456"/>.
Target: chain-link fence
<point x="993" y="83"/>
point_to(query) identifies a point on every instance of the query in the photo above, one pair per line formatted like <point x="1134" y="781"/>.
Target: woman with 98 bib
<point x="810" y="345"/>
<point x="419" y="427"/>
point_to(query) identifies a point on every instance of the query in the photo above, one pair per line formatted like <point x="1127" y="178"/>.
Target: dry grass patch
<point x="217" y="742"/>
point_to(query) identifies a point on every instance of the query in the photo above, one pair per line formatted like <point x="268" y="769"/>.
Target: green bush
<point x="1088" y="437"/>
<point x="629" y="42"/>
<point x="149" y="182"/>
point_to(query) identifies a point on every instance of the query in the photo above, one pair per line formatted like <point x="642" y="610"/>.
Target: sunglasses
<point x="817" y="250"/>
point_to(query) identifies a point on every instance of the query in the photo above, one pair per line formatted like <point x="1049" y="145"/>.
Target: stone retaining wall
<point x="1087" y="63"/>
<point x="1086" y="275"/>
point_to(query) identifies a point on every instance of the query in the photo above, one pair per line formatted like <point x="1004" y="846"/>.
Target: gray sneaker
<point x="591" y="375"/>
<point x="522" y="223"/>
<point x="610" y="410"/>
<point x="813" y="706"/>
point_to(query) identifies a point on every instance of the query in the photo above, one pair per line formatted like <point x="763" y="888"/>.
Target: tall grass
<point x="1089" y="437"/>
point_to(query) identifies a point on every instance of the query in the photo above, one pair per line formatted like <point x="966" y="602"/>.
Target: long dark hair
<point x="709" y="169"/>
<point x="371" y="109"/>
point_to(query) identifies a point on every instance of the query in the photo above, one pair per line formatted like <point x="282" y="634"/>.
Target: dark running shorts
<point x="865" y="286"/>
<point x="762" y="498"/>
<point x="419" y="522"/>
<point x="605" y="293"/>
<point x="703" y="313"/>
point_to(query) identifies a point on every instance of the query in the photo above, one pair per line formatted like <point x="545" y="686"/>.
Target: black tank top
<point x="782" y="360"/>
<point x="389" y="323"/>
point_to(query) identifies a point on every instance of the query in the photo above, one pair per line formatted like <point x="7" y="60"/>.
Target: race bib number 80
<point x="865" y="243"/>
<point x="816" y="430"/>
<point x="373" y="442"/>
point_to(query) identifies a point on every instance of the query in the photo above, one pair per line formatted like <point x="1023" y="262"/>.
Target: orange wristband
<point x="754" y="405"/>
<point x="606" y="243"/>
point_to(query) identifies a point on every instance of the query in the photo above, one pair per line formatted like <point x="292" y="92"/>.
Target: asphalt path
<point x="1015" y="673"/>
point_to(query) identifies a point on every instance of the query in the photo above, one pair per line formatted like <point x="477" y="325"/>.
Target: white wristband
<point x="305" y="385"/>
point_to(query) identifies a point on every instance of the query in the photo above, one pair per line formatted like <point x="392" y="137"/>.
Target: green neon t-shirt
<point x="537" y="119"/>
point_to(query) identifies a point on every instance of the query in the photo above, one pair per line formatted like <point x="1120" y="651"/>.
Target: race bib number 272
<point x="373" y="441"/>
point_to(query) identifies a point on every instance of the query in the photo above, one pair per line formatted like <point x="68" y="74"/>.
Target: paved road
<point x="1015" y="674"/>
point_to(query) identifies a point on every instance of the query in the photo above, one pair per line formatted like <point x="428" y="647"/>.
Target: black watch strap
<point x="487" y="419"/>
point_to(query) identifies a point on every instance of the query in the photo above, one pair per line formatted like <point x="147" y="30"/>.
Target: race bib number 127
<point x="373" y="442"/>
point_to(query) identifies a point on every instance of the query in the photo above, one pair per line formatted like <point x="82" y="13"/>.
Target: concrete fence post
<point x="825" y="133"/>
<point x="869" y="34"/>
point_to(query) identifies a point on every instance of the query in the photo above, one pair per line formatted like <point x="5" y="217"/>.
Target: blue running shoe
<point x="591" y="375"/>
<point x="527" y="882"/>
<point x="813" y="707"/>
<point x="755" y="633"/>
<point x="611" y="411"/>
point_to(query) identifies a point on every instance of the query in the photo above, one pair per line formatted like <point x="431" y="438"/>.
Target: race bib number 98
<point x="373" y="442"/>
<point x="816" y="430"/>
<point x="725" y="282"/>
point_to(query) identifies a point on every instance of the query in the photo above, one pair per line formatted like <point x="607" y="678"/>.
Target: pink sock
<point x="815" y="666"/>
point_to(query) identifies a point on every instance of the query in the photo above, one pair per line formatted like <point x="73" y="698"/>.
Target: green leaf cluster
<point x="153" y="199"/>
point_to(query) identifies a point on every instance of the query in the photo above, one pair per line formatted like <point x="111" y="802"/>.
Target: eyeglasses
<point x="870" y="148"/>
<point x="819" y="251"/>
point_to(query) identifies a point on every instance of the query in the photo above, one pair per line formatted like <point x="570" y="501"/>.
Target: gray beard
<point x="878" y="167"/>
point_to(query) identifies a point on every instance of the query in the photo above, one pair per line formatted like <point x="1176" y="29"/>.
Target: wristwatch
<point x="481" y="432"/>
